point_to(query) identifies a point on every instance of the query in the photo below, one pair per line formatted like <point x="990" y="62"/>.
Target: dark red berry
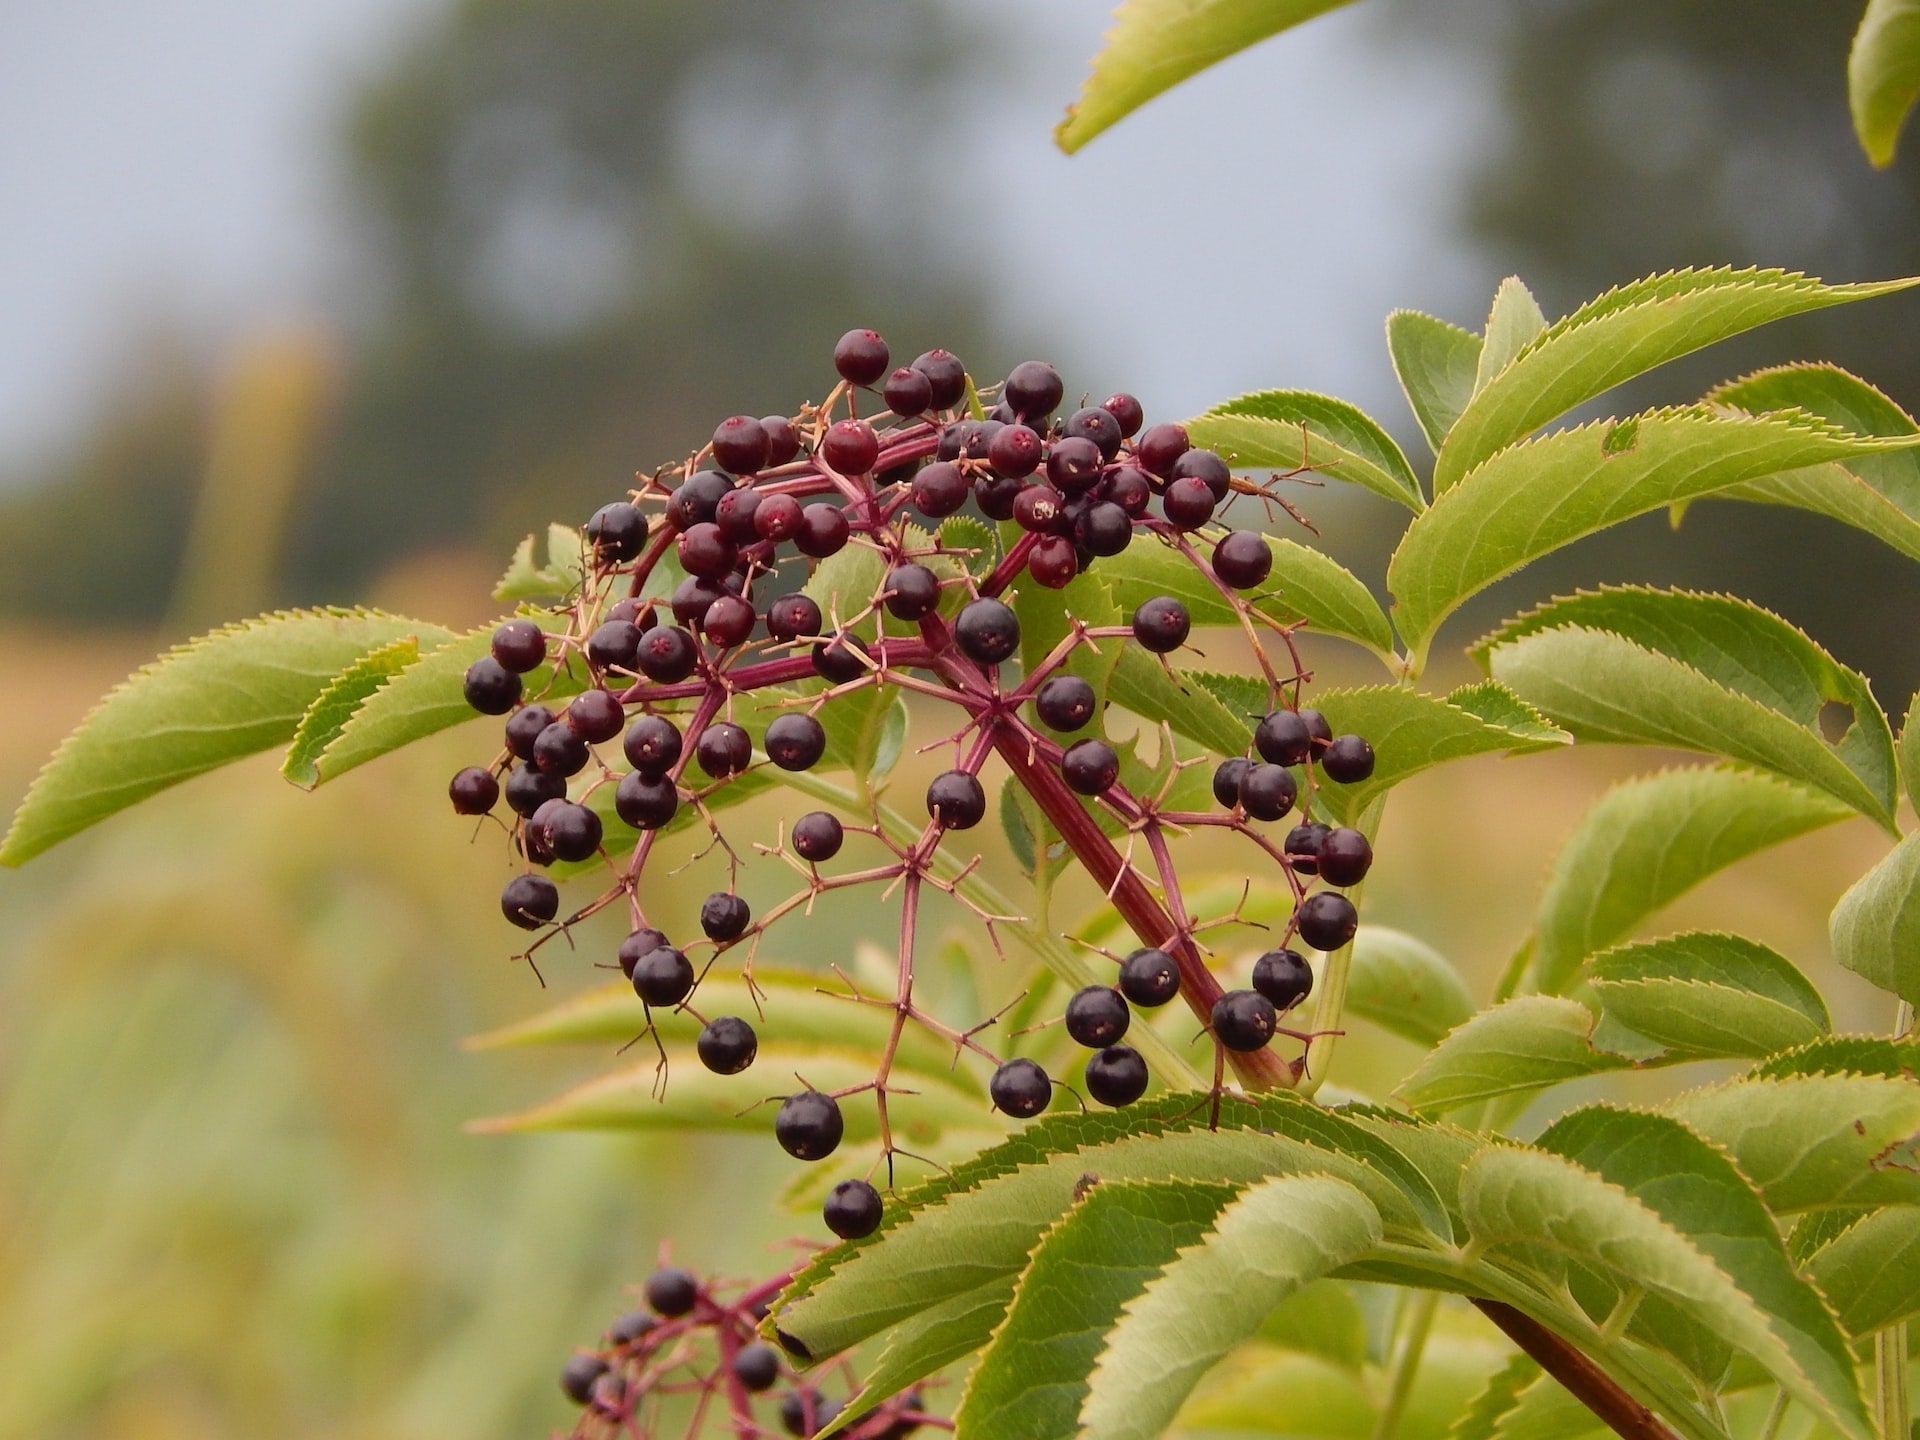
<point x="852" y="1210"/>
<point x="907" y="391"/>
<point x="727" y="1045"/>
<point x="987" y="631"/>
<point x="1159" y="447"/>
<point x="672" y="1291"/>
<point x="667" y="654"/>
<point x="527" y="789"/>
<point x="728" y="622"/>
<point x="1162" y="624"/>
<point x="723" y="749"/>
<point x="1318" y="730"/>
<point x="792" y="617"/>
<point x="697" y="501"/>
<point x="1267" y="792"/>
<point x="573" y="832"/>
<point x="783" y="438"/>
<point x="1149" y="977"/>
<point x="1282" y="738"/>
<point x="530" y="901"/>
<point x="777" y="518"/>
<point x="630" y="608"/>
<point x="861" y="357"/>
<point x="1326" y="920"/>
<point x="724" y="916"/>
<point x="939" y="490"/>
<point x="1096" y="425"/>
<point x="946" y="375"/>
<point x="1284" y="977"/>
<point x="1126" y="412"/>
<point x="1128" y="488"/>
<point x="809" y="1125"/>
<point x="1188" y="503"/>
<point x="1227" y="776"/>
<point x="740" y="444"/>
<point x="1074" y="464"/>
<point x="841" y="659"/>
<point x="473" y="791"/>
<point x="1097" y="1016"/>
<point x="1065" y="702"/>
<point x="1038" y="508"/>
<point x="756" y="1366"/>
<point x="490" y="687"/>
<point x="850" y="447"/>
<point x="818" y="836"/>
<point x="1345" y="857"/>
<point x="519" y="645"/>
<point x="1090" y="767"/>
<point x="823" y="531"/>
<point x="912" y="592"/>
<point x="996" y="495"/>
<point x="705" y="552"/>
<point x="1206" y="467"/>
<point x="1020" y="1088"/>
<point x="1103" y="527"/>
<point x="794" y="1412"/>
<point x="955" y="438"/>
<point x="1015" y="451"/>
<point x="956" y="800"/>
<point x="1053" y="561"/>
<point x="536" y="843"/>
<point x="643" y="941"/>
<point x="1243" y="1020"/>
<point x="652" y="744"/>
<point x="1243" y="559"/>
<point x="737" y="514"/>
<point x="612" y="646"/>
<point x="663" y="976"/>
<point x="1302" y="846"/>
<point x="616" y="532"/>
<point x="1349" y="760"/>
<point x="1117" y="1075"/>
<point x="559" y="750"/>
<point x="693" y="597"/>
<point x="595" y="715"/>
<point x="795" y="742"/>
<point x="1033" y="389"/>
<point x="577" y="1378"/>
<point x="979" y="440"/>
<point x="646" y="802"/>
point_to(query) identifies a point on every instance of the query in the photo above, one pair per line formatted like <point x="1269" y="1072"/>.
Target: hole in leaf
<point x="1620" y="438"/>
<point x="1835" y="720"/>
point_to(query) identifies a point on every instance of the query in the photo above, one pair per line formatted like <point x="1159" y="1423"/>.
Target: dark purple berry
<point x="1188" y="504"/>
<point x="527" y="789"/>
<point x="697" y="501"/>
<point x="491" y="688"/>
<point x="1097" y="1016"/>
<point x="576" y="1379"/>
<point x="1033" y="389"/>
<point x="818" y="836"/>
<point x="652" y="744"/>
<point x="783" y="438"/>
<point x="616" y="532"/>
<point x="850" y="447"/>
<point x="955" y="438"/>
<point x="1243" y="559"/>
<point x="912" y="592"/>
<point x="1065" y="702"/>
<point x="1206" y="467"/>
<point x="1162" y="624"/>
<point x="1126" y="412"/>
<point x="723" y="749"/>
<point x="1074" y="464"/>
<point x="795" y="742"/>
<point x="663" y="976"/>
<point x="907" y="392"/>
<point x="473" y="791"/>
<point x="740" y="444"/>
<point x="809" y="1125"/>
<point x="1227" y="777"/>
<point x="519" y="645"/>
<point x="672" y="1291"/>
<point x="1284" y="977"/>
<point x="1326" y="920"/>
<point x="792" y="617"/>
<point x="646" y="802"/>
<point x="996" y="495"/>
<point x="692" y="598"/>
<point x="1090" y="767"/>
<point x="530" y="901"/>
<point x="1267" y="792"/>
<point x="1282" y="738"/>
<point x="667" y="654"/>
<point x="1038" y="508"/>
<point x="939" y="490"/>
<point x="1128" y="488"/>
<point x="705" y="551"/>
<point x="612" y="646"/>
<point x="793" y="1413"/>
<point x="956" y="800"/>
<point x="1318" y="730"/>
<point x="643" y="941"/>
<point x="1349" y="760"/>
<point x="777" y="518"/>
<point x="1149" y="977"/>
<point x="724" y="916"/>
<point x="1103" y="527"/>
<point x="738" y="513"/>
<point x="1098" y="426"/>
<point x="595" y="715"/>
<point x="1345" y="857"/>
<point x="632" y="1326"/>
<point x="727" y="1045"/>
<point x="1015" y="451"/>
<point x="861" y="357"/>
<point x="1020" y="1088"/>
<point x="1243" y="1020"/>
<point x="841" y="659"/>
<point x="536" y="841"/>
<point x="987" y="631"/>
<point x="1159" y="447"/>
<point x="979" y="440"/>
<point x="852" y="1210"/>
<point x="524" y="727"/>
<point x="823" y="531"/>
<point x="1116" y="1075"/>
<point x="756" y="1366"/>
<point x="630" y="608"/>
<point x="1302" y="846"/>
<point x="1053" y="561"/>
<point x="946" y="375"/>
<point x="728" y="622"/>
<point x="573" y="832"/>
<point x="559" y="750"/>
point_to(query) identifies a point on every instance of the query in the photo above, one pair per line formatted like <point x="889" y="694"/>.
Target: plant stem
<point x="1890" y="1344"/>
<point x="1585" y="1380"/>
<point x="1410" y="1343"/>
<point x="1331" y="1003"/>
<point x="1775" y="1414"/>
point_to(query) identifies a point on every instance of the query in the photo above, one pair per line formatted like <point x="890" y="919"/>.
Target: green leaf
<point x="1648" y="841"/>
<point x="1404" y="985"/>
<point x="1523" y="1044"/>
<point x="1260" y="1391"/>
<point x="1703" y="994"/>
<point x="1155" y="44"/>
<point x="1812" y="1141"/>
<point x="1300" y="430"/>
<point x="1141" y="684"/>
<point x="1047" y="616"/>
<point x="1273" y="1239"/>
<point x="1883" y="75"/>
<point x="962" y="533"/>
<point x="1871" y="1271"/>
<point x="1621" y="334"/>
<point x="1514" y="323"/>
<point x="334" y="706"/>
<point x="1437" y="364"/>
<point x="1498" y="1399"/>
<point x="930" y="1341"/>
<point x="1322" y="1319"/>
<point x="204" y="704"/>
<point x="1846" y="1055"/>
<point x="1031" y="1379"/>
<point x="1875" y="929"/>
<point x="562" y="575"/>
<point x="1696" y="1190"/>
<point x="1533" y="497"/>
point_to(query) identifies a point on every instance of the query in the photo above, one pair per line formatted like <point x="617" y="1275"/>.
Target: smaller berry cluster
<point x="694" y="1343"/>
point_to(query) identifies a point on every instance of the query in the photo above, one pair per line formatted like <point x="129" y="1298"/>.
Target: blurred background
<point x="333" y="300"/>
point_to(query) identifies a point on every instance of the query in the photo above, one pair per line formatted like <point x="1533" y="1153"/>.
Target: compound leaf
<point x="1703" y="994"/>
<point x="1523" y="1044"/>
<point x="1301" y="430"/>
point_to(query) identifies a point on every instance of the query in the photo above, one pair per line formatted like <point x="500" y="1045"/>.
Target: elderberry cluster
<point x="694" y="1341"/>
<point x="694" y="619"/>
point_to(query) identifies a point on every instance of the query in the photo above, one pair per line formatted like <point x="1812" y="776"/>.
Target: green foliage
<point x="1298" y="430"/>
<point x="1438" y="365"/>
<point x="1874" y="925"/>
<point x="1883" y="75"/>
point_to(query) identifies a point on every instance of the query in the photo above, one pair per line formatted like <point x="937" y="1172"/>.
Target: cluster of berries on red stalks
<point x="694" y="616"/>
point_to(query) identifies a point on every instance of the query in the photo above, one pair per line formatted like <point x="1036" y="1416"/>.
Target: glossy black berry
<point x="1267" y="792"/>
<point x="946" y="375"/>
<point x="663" y="976"/>
<point x="672" y="1291"/>
<point x="1129" y="489"/>
<point x="1149" y="977"/>
<point x="524" y="726"/>
<point x="723" y="749"/>
<point x="559" y="750"/>
<point x="986" y="631"/>
<point x="1326" y="920"/>
<point x="1015" y="451"/>
<point x="727" y="1045"/>
<point x="1227" y="777"/>
<point x="756" y="1366"/>
<point x="861" y="357"/>
<point x="724" y="916"/>
<point x="795" y="742"/>
<point x="643" y="941"/>
<point x="613" y="645"/>
<point x="1302" y="846"/>
<point x="1116" y="1075"/>
<point x="527" y="789"/>
<point x="616" y="532"/>
<point x="823" y="531"/>
<point x="841" y="659"/>
<point x="1162" y="624"/>
<point x="697" y="501"/>
<point x="595" y="715"/>
<point x="1206" y="467"/>
<point x="1034" y="389"/>
<point x="1345" y="857"/>
<point x="1074" y="464"/>
<point x="1243" y="1020"/>
<point x="997" y="495"/>
<point x="1065" y="702"/>
<point x="1090" y="767"/>
<point x="956" y="800"/>
<point x="1284" y="977"/>
<point x="1020" y="1088"/>
<point x="939" y="490"/>
<point x="519" y="645"/>
<point x="1349" y="760"/>
<point x="852" y="1210"/>
<point x="809" y="1125"/>
<point x="792" y="617"/>
<point x="794" y="1410"/>
<point x="912" y="592"/>
<point x="646" y="802"/>
<point x="1096" y="425"/>
<point x="535" y="842"/>
<point x="817" y="836"/>
<point x="473" y="791"/>
<point x="706" y="551"/>
<point x="1318" y="729"/>
<point x="576" y="1380"/>
<point x="573" y="832"/>
<point x="954" y="439"/>
<point x="729" y="621"/>
<point x="1159" y="446"/>
<point x="1243" y="559"/>
<point x="491" y="688"/>
<point x="1282" y="738"/>
<point x="907" y="391"/>
<point x="1103" y="527"/>
<point x="667" y="654"/>
<point x="692" y="598"/>
<point x="530" y="901"/>
<point x="1097" y="1016"/>
<point x="1188" y="503"/>
<point x="741" y="444"/>
<point x="850" y="447"/>
<point x="652" y="744"/>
